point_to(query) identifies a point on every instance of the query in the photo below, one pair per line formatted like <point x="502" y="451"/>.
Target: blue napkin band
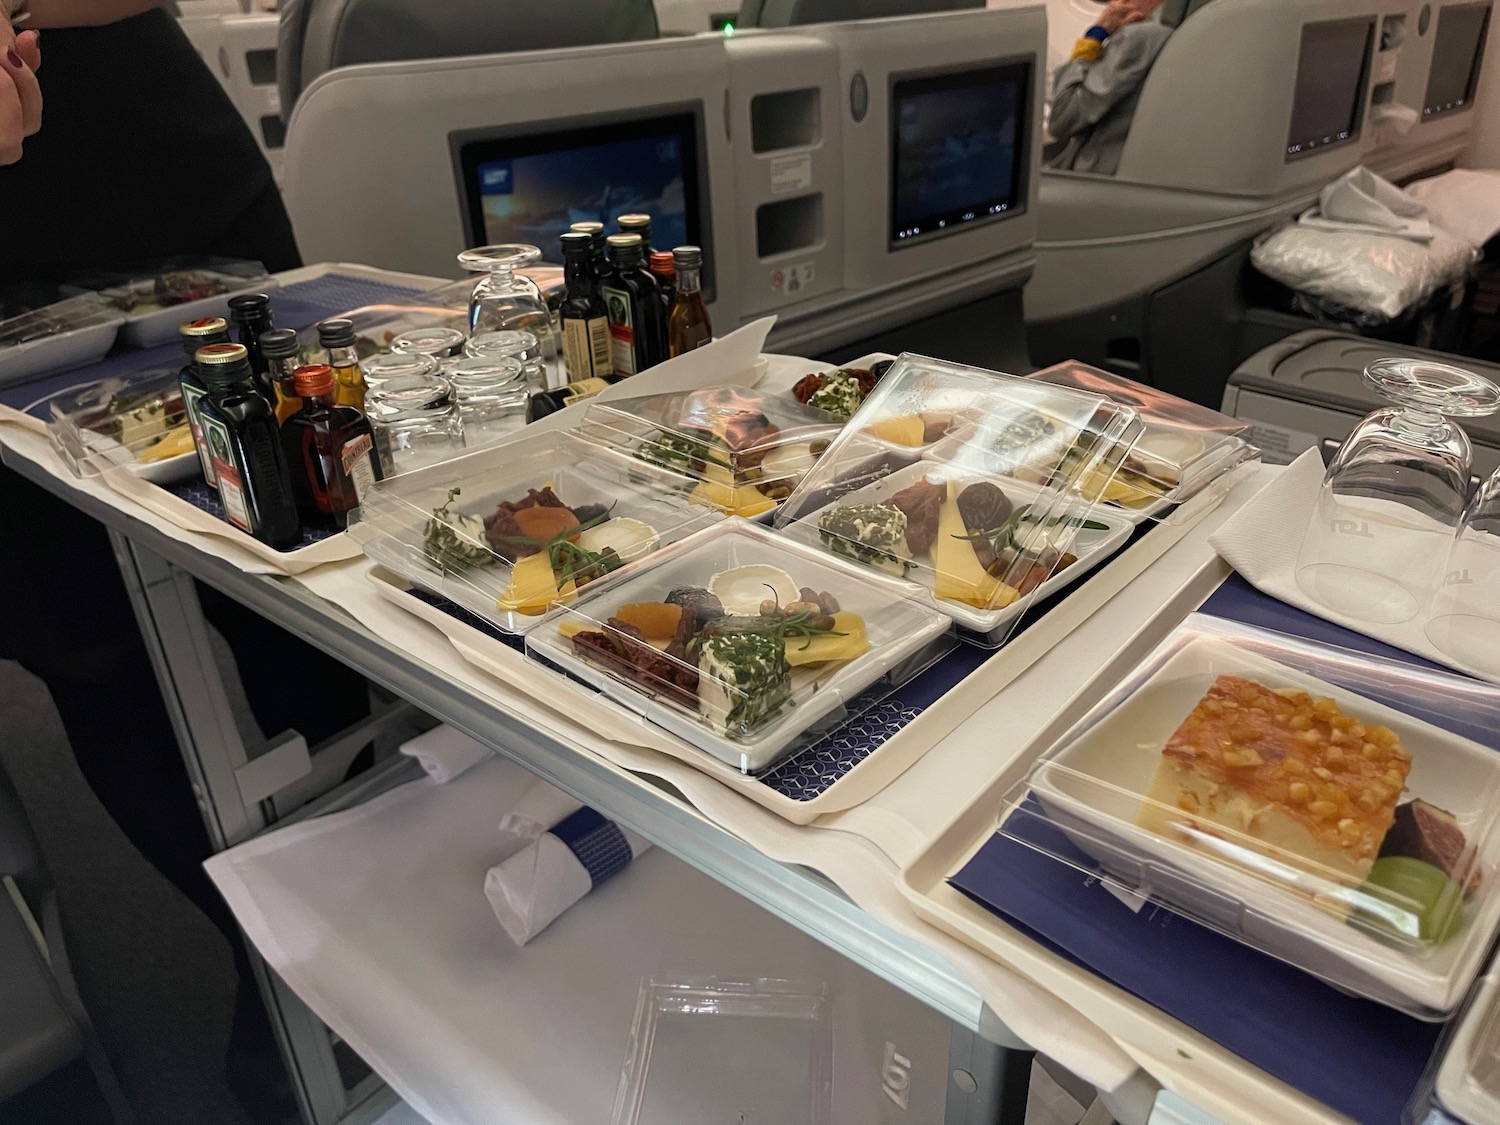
<point x="598" y="843"/>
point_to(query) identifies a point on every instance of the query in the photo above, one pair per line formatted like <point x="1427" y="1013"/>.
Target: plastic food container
<point x="428" y="525"/>
<point x="132" y="420"/>
<point x="61" y="336"/>
<point x="746" y="449"/>
<point x="1462" y="1082"/>
<point x="155" y="304"/>
<point x="1288" y="795"/>
<point x="751" y="684"/>
<point x="966" y="486"/>
<point x="1183" y="448"/>
<point x="706" y="1049"/>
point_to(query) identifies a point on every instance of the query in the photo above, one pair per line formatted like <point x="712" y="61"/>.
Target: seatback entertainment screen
<point x="1457" y="51"/>
<point x="1329" y="98"/>
<point x="958" y="150"/>
<point x="531" y="188"/>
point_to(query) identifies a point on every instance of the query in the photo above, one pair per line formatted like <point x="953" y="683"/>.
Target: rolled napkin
<point x="445" y="753"/>
<point x="1262" y="540"/>
<point x="531" y="890"/>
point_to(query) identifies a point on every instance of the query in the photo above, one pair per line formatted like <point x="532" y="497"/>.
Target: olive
<point x="769" y="608"/>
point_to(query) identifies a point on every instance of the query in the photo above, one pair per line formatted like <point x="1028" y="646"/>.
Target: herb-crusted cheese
<point x="874" y="534"/>
<point x="838" y="394"/>
<point x="742" y="679"/>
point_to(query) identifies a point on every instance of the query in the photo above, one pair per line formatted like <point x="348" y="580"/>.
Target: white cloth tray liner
<point x="376" y="917"/>
<point x="860" y="850"/>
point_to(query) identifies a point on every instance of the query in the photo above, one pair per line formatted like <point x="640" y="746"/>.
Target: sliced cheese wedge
<point x="825" y="647"/>
<point x="959" y="577"/>
<point x="533" y="589"/>
<point x="736" y="500"/>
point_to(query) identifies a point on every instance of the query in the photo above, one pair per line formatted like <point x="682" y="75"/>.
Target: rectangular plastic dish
<point x="967" y="482"/>
<point x="70" y="333"/>
<point x="429" y="525"/>
<point x="135" y="420"/>
<point x="746" y="448"/>
<point x="747" y="687"/>
<point x="1283" y="794"/>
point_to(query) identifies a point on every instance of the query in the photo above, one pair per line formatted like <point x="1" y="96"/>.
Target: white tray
<point x="1091" y="547"/>
<point x="78" y="348"/>
<point x="1468" y="1081"/>
<point x="871" y="775"/>
<point x="1121" y="752"/>
<point x="899" y="629"/>
<point x="159" y="326"/>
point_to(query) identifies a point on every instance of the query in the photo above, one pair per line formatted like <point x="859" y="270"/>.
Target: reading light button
<point x="859" y="97"/>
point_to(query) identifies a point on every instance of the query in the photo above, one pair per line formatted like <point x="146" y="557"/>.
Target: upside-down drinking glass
<point x="1464" y="621"/>
<point x="1394" y="495"/>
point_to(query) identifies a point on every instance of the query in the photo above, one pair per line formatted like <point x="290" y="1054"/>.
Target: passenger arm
<point x="1084" y="92"/>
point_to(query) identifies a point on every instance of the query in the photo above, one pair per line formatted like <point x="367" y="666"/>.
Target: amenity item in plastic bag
<point x="1377" y="276"/>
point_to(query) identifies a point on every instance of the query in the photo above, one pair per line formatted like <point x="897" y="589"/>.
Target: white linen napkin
<point x="445" y="753"/>
<point x="1261" y="542"/>
<point x="1464" y="201"/>
<point x="533" y="888"/>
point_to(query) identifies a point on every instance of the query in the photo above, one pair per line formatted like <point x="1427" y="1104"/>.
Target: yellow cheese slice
<point x="825" y="647"/>
<point x="1125" y="488"/>
<point x="959" y="577"/>
<point x="737" y="500"/>
<point x="176" y="442"/>
<point x="533" y="589"/>
<point x="907" y="429"/>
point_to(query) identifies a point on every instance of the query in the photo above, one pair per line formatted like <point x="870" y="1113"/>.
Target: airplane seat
<point x="1144" y="272"/>
<point x="320" y="35"/>
<point x="793" y="13"/>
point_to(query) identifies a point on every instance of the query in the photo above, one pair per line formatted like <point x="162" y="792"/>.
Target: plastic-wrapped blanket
<point x="1368" y="251"/>
<point x="1375" y="275"/>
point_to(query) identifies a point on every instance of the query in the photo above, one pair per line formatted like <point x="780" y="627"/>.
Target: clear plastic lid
<point x="701" y="1050"/>
<point x="1185" y="448"/>
<point x="173" y="284"/>
<point x="746" y="448"/>
<point x="966" y="486"/>
<point x="1294" y="797"/>
<point x="87" y="310"/>
<point x="473" y="528"/>
<point x="1464" y="1075"/>
<point x="744" y="645"/>
<point x="135" y="420"/>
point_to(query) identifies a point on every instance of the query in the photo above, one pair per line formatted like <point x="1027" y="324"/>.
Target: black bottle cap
<point x="577" y="242"/>
<point x="278" y="343"/>
<point x="337" y="333"/>
<point x="223" y="364"/>
<point x="247" y="306"/>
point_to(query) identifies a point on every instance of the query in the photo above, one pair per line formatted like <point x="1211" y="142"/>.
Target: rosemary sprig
<point x="797" y="625"/>
<point x="999" y="538"/>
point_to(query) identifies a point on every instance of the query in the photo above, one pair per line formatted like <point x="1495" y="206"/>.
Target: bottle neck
<point x="318" y="403"/>
<point x="578" y="275"/>
<point x="688" y="279"/>
<point x="344" y="356"/>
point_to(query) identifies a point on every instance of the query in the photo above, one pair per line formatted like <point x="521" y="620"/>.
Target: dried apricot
<point x="657" y="621"/>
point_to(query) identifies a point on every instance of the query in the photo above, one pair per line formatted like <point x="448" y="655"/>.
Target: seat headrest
<point x="1173" y="12"/>
<point x="320" y="35"/>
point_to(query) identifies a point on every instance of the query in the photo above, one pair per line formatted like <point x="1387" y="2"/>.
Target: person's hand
<point x="20" y="93"/>
<point x="1117" y="13"/>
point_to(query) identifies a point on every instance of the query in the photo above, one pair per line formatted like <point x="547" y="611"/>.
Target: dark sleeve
<point x="1084" y="92"/>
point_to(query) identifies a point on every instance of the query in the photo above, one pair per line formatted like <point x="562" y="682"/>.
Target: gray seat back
<point x="319" y="35"/>
<point x="1173" y="12"/>
<point x="791" y="13"/>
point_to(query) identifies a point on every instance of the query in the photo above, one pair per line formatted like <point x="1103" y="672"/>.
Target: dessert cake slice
<point x="1281" y="774"/>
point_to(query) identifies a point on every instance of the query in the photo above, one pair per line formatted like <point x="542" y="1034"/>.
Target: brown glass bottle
<point x="688" y="325"/>
<point x="280" y="347"/>
<point x="240" y="431"/>
<point x="665" y="271"/>
<point x="330" y="451"/>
